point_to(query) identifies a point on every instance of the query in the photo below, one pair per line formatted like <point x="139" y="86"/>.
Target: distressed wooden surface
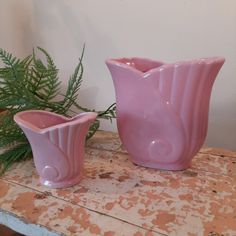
<point x="117" y="197"/>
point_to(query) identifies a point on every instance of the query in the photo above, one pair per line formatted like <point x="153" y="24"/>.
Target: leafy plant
<point x="33" y="83"/>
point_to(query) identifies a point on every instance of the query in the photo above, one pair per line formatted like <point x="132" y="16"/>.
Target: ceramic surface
<point x="57" y="144"/>
<point x="162" y="109"/>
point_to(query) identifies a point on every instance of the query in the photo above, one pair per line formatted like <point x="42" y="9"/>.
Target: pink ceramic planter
<point x="57" y="144"/>
<point x="162" y="109"/>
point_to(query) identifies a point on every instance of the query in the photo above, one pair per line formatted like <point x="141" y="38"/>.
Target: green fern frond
<point x="18" y="153"/>
<point x="8" y="59"/>
<point x="93" y="128"/>
<point x="45" y="76"/>
<point x="74" y="84"/>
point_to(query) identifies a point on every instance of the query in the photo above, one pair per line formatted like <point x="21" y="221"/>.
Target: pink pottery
<point x="162" y="109"/>
<point x="57" y="144"/>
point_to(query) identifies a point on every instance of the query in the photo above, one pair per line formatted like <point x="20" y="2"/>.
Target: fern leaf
<point x="74" y="84"/>
<point x="93" y="128"/>
<point x="9" y="157"/>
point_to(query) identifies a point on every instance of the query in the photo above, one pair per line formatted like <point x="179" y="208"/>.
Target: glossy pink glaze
<point x="57" y="144"/>
<point x="162" y="109"/>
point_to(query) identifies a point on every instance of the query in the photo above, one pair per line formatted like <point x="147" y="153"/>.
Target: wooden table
<point x="117" y="197"/>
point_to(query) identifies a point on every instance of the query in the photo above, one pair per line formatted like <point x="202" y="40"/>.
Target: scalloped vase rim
<point x="80" y="118"/>
<point x="162" y="65"/>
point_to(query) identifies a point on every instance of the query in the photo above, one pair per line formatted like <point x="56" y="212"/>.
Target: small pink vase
<point x="162" y="109"/>
<point x="57" y="144"/>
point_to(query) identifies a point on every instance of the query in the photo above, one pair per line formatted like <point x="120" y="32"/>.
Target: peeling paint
<point x="117" y="197"/>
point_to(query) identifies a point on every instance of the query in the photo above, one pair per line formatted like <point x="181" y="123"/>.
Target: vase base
<point x="61" y="184"/>
<point x="162" y="166"/>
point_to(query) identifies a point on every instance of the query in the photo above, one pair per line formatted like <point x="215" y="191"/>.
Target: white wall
<point x="168" y="30"/>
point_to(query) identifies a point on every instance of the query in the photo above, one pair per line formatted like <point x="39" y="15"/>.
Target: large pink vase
<point x="162" y="109"/>
<point x="57" y="144"/>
